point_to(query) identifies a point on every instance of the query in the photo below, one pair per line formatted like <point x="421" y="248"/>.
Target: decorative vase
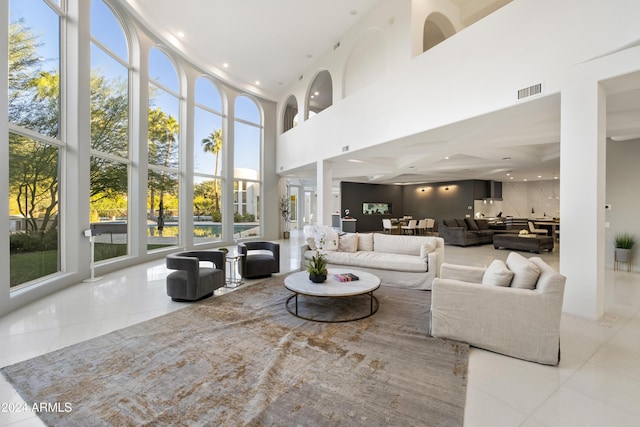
<point x="317" y="278"/>
<point x="285" y="234"/>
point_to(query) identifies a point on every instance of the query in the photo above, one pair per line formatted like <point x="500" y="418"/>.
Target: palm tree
<point x="213" y="144"/>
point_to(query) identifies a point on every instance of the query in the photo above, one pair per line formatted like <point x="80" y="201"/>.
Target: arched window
<point x="36" y="145"/>
<point x="290" y="116"/>
<point x="320" y="94"/>
<point x="437" y="28"/>
<point x="247" y="161"/>
<point x="164" y="141"/>
<point x="110" y="163"/>
<point x="208" y="173"/>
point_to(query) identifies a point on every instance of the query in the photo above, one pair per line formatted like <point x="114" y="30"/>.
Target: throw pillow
<point x="348" y="242"/>
<point x="329" y="240"/>
<point x="311" y="242"/>
<point x="525" y="273"/>
<point x="471" y="224"/>
<point x="482" y="224"/>
<point x="427" y="248"/>
<point x="497" y="274"/>
<point x="365" y="241"/>
<point x="450" y="222"/>
<point x="461" y="223"/>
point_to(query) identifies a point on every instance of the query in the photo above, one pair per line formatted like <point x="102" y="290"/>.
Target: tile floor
<point x="597" y="382"/>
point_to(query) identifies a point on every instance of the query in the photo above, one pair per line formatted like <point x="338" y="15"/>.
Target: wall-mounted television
<point x="375" y="208"/>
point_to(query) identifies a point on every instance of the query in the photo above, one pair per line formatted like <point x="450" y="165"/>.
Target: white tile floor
<point x="597" y="382"/>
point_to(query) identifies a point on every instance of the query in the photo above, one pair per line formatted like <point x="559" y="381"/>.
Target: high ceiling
<point x="275" y="41"/>
<point x="272" y="42"/>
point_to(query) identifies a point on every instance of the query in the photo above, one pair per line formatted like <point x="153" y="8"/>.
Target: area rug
<point x="241" y="359"/>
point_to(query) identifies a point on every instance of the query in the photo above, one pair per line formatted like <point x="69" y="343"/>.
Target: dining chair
<point x="387" y="226"/>
<point x="410" y="227"/>
<point x="421" y="228"/>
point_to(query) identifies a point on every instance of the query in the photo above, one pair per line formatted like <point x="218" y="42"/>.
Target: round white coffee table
<point x="300" y="284"/>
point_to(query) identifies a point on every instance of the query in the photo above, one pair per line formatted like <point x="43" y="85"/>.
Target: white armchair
<point x="522" y="323"/>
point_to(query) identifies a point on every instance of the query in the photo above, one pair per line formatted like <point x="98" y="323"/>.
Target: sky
<point x="104" y="27"/>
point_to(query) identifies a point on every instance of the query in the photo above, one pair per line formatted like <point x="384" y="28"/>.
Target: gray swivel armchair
<point x="191" y="282"/>
<point x="260" y="259"/>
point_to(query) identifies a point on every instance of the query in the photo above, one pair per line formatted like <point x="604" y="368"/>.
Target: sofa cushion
<point x="311" y="241"/>
<point x="395" y="244"/>
<point x="329" y="240"/>
<point x="525" y="273"/>
<point x="348" y="242"/>
<point x="365" y="241"/>
<point x="497" y="274"/>
<point x="471" y="224"/>
<point x="482" y="224"/>
<point x="461" y="223"/>
<point x="450" y="222"/>
<point x="372" y="259"/>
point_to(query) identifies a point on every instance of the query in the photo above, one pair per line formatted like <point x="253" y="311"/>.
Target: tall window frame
<point x="164" y="140"/>
<point x="208" y="171"/>
<point x="36" y="141"/>
<point x="247" y="167"/>
<point x="110" y="132"/>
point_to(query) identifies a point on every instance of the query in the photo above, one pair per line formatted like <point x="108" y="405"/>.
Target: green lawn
<point x="28" y="266"/>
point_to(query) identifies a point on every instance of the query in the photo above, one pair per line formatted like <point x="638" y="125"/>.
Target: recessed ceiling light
<point x="258" y="82"/>
<point x="539" y="176"/>
<point x="225" y="65"/>
<point x="446" y="158"/>
<point x="525" y="179"/>
<point x="180" y="34"/>
<point x="316" y="93"/>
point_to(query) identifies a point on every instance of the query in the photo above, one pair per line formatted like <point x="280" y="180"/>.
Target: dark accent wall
<point x="440" y="200"/>
<point x="354" y="194"/>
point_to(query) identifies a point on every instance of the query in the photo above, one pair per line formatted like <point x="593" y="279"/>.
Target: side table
<point x="234" y="279"/>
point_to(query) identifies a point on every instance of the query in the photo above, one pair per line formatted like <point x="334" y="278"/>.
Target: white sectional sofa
<point x="401" y="261"/>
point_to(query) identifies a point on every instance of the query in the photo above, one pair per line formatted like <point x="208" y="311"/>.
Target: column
<point x="324" y="171"/>
<point x="582" y="197"/>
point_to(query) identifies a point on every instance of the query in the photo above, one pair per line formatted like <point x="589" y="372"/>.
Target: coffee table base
<point x="373" y="308"/>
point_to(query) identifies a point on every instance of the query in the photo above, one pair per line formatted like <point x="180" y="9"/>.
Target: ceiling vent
<point x="530" y="91"/>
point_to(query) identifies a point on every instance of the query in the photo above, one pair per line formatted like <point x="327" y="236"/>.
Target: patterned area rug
<point x="242" y="359"/>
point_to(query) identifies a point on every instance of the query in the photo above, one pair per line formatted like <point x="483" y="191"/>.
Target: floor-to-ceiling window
<point x="84" y="145"/>
<point x="246" y="167"/>
<point x="109" y="179"/>
<point x="36" y="145"/>
<point x="164" y="140"/>
<point x="208" y="173"/>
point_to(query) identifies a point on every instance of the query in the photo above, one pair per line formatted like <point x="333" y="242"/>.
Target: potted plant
<point x="285" y="211"/>
<point x="317" y="268"/>
<point x="624" y="243"/>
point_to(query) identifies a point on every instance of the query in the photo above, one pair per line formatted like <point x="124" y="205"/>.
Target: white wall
<point x="474" y="72"/>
